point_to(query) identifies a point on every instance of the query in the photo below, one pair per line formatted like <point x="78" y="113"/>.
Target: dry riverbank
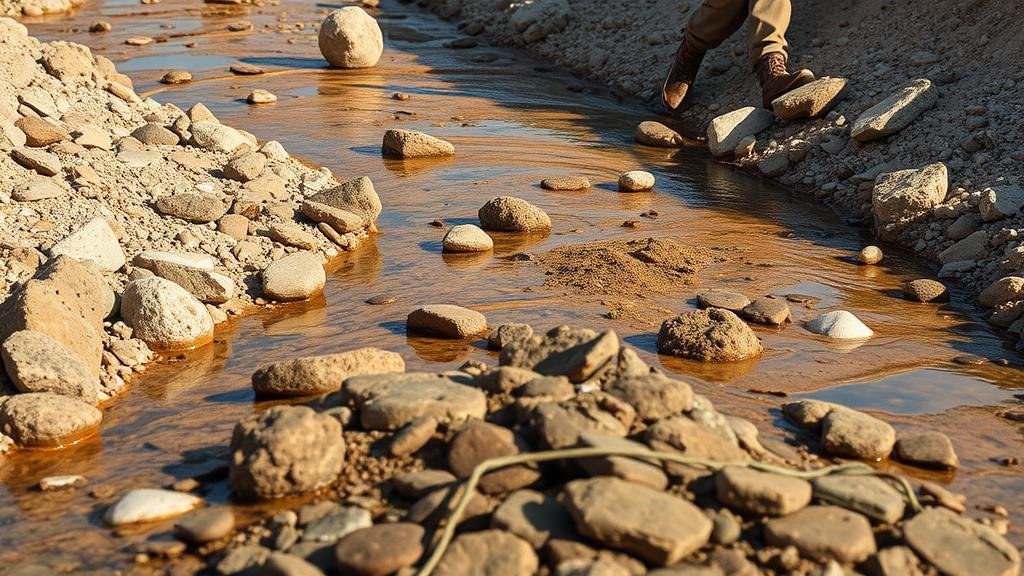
<point x="969" y="121"/>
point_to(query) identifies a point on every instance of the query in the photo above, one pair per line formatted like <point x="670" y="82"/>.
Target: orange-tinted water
<point x="512" y="124"/>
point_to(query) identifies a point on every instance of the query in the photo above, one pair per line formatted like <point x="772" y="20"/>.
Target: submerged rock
<point x="710" y="335"/>
<point x="313" y="375"/>
<point x="839" y="325"/>
<point x="47" y="420"/>
<point x="510" y="214"/>
<point x="150" y="505"/>
<point x="565" y="183"/>
<point x="400" y="143"/>
<point x="636" y="181"/>
<point x="446" y="321"/>
<point x="657" y="134"/>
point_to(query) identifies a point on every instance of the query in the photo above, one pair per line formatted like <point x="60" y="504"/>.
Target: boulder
<point x="165" y="315"/>
<point x="351" y="38"/>
<point x="245" y="167"/>
<point x="356" y="196"/>
<point x="654" y="396"/>
<point x="446" y="321"/>
<point x="36" y="362"/>
<point x="466" y="238"/>
<point x="657" y="134"/>
<point x="928" y="449"/>
<point x="47" y="420"/>
<point x="390" y="401"/>
<point x="1002" y="291"/>
<point x="710" y="335"/>
<point x="94" y="241"/>
<point x="381" y="549"/>
<point x="959" y="546"/>
<point x="565" y="183"/>
<point x="636" y="181"/>
<point x="212" y="135"/>
<point x="149" y="505"/>
<point x="400" y="143"/>
<point x="340" y="219"/>
<point x="1001" y="202"/>
<point x="909" y="194"/>
<point x="811" y="100"/>
<point x="839" y="325"/>
<point x="853" y="434"/>
<point x="510" y="214"/>
<point x="488" y="552"/>
<point x="768" y="311"/>
<point x="297" y="276"/>
<point x="823" y="533"/>
<point x="895" y="112"/>
<point x="285" y="451"/>
<point x="726" y="131"/>
<point x="973" y="247"/>
<point x="925" y="290"/>
<point x="477" y="441"/>
<point x="761" y="493"/>
<point x="578" y="354"/>
<point x="657" y="527"/>
<point x="313" y="375"/>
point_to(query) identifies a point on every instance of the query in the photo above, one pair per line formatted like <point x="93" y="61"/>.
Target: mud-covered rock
<point x="710" y="335"/>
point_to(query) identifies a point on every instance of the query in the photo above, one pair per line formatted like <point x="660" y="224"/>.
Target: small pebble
<point x="870" y="255"/>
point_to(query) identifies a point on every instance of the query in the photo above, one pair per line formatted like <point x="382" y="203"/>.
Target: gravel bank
<point x="968" y="119"/>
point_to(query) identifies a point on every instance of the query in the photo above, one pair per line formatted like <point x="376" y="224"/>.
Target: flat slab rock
<point x="381" y="549"/>
<point x="761" y="493"/>
<point x="313" y="375"/>
<point x="824" y="533"/>
<point x="959" y="546"/>
<point x="390" y="401"/>
<point x="655" y="526"/>
<point x="869" y="495"/>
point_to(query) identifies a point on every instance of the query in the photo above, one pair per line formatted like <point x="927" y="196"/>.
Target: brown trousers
<point x="716" y="20"/>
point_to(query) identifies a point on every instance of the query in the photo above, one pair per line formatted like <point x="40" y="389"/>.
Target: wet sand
<point x="513" y="123"/>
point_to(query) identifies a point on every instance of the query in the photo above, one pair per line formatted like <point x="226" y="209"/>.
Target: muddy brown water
<point x="513" y="123"/>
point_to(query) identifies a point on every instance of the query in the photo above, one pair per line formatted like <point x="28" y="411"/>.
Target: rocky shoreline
<point x="617" y="469"/>
<point x="129" y="228"/>
<point x="938" y="173"/>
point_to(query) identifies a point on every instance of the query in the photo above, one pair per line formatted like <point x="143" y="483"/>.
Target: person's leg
<point x="710" y="25"/>
<point x="768" y="49"/>
<point x="714" y="21"/>
<point x="769" y="20"/>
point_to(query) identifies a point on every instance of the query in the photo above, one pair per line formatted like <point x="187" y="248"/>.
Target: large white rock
<point x="150" y="505"/>
<point x="466" y="238"/>
<point x="840" y="325"/>
<point x="165" y="315"/>
<point x="895" y="112"/>
<point x="95" y="241"/>
<point x="726" y="131"/>
<point x="294" y="277"/>
<point x="351" y="38"/>
<point x="215" y="136"/>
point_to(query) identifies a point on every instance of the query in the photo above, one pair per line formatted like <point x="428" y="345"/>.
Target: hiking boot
<point x="681" y="75"/>
<point x="775" y="79"/>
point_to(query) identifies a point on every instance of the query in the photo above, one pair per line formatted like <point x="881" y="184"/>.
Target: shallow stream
<point x="513" y="123"/>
